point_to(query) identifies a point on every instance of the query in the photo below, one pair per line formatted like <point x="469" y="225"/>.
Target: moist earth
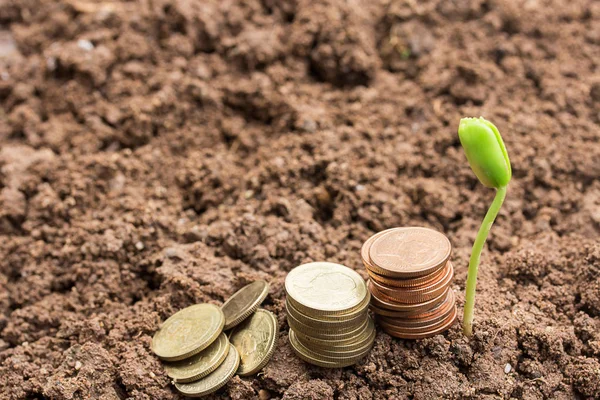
<point x="161" y="153"/>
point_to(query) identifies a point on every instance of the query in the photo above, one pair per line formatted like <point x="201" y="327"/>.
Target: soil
<point x="162" y="153"/>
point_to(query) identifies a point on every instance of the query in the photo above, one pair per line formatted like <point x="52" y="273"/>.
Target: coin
<point x="380" y="301"/>
<point x="346" y="316"/>
<point x="244" y="302"/>
<point x="409" y="252"/>
<point x="297" y="347"/>
<point x="201" y="364"/>
<point x="404" y="283"/>
<point x="417" y="294"/>
<point x="443" y="312"/>
<point x="341" y="359"/>
<point x="188" y="332"/>
<point x="329" y="336"/>
<point x="325" y="288"/>
<point x="403" y="334"/>
<point x="255" y="340"/>
<point x="325" y="325"/>
<point x="215" y="380"/>
<point x="316" y="331"/>
<point x="335" y="347"/>
<point x="446" y="302"/>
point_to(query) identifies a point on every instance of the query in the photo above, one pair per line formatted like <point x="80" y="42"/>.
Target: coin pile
<point x="201" y="358"/>
<point x="410" y="276"/>
<point x="327" y="311"/>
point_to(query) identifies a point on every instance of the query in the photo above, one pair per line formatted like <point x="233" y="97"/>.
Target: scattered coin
<point x="199" y="357"/>
<point x="201" y="364"/>
<point x="215" y="380"/>
<point x="255" y="340"/>
<point x="244" y="302"/>
<point x="188" y="332"/>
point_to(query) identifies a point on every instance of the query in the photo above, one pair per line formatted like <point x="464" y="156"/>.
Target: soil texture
<point x="160" y="153"/>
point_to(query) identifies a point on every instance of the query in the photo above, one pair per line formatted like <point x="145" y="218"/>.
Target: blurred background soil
<point x="160" y="153"/>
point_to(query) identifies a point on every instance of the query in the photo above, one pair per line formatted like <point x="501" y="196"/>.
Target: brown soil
<point x="162" y="153"/>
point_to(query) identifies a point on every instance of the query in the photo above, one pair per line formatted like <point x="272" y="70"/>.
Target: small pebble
<point x="78" y="365"/>
<point x="139" y="246"/>
<point x="171" y="252"/>
<point x="85" y="45"/>
<point x="507" y="368"/>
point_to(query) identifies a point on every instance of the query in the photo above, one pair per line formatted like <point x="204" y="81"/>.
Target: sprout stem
<point x="488" y="221"/>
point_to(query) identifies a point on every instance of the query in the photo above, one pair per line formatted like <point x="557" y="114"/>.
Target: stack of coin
<point x="410" y="276"/>
<point x="327" y="311"/>
<point x="201" y="358"/>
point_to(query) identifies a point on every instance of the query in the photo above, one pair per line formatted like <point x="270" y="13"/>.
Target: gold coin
<point x="215" y="380"/>
<point x="332" y="348"/>
<point x="331" y="336"/>
<point x="201" y="364"/>
<point x="188" y="332"/>
<point x="323" y="288"/>
<point x="334" y="356"/>
<point x="315" y="358"/>
<point x="316" y="331"/>
<point x="326" y="325"/>
<point x="350" y="314"/>
<point x="244" y="302"/>
<point x="409" y="252"/>
<point x="343" y="352"/>
<point x="296" y="346"/>
<point x="255" y="340"/>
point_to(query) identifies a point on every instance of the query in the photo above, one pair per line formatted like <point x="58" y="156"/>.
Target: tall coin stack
<point x="327" y="311"/>
<point x="410" y="276"/>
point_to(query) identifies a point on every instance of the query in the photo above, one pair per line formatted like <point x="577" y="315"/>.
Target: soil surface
<point x="162" y="153"/>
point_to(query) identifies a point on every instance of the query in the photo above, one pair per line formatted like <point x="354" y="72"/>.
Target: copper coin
<point x="404" y="283"/>
<point x="407" y="334"/>
<point x="441" y="314"/>
<point x="364" y="252"/>
<point x="378" y="274"/>
<point x="417" y="294"/>
<point x="380" y="301"/>
<point x="409" y="252"/>
<point x="418" y="313"/>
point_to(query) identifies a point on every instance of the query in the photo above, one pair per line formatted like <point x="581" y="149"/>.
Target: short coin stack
<point x="201" y="358"/>
<point x="327" y="311"/>
<point x="410" y="276"/>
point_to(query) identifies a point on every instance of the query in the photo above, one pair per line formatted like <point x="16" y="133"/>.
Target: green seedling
<point x="489" y="161"/>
